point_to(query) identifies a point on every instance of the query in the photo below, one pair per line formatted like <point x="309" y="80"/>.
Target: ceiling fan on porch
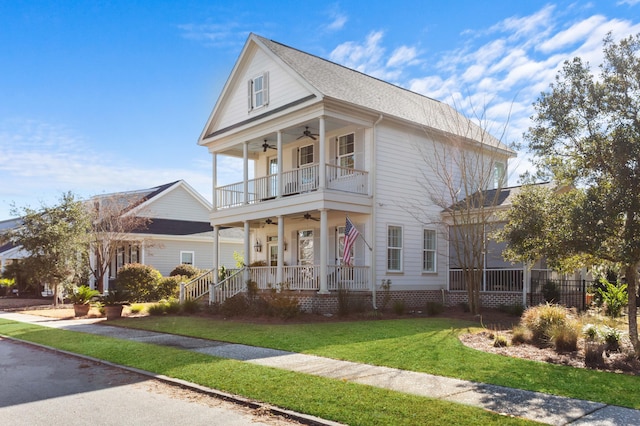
<point x="270" y="222"/>
<point x="307" y="134"/>
<point x="308" y="216"/>
<point x="266" y="146"/>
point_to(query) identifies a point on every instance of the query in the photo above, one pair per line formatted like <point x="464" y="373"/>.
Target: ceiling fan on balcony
<point x="266" y="146"/>
<point x="307" y="134"/>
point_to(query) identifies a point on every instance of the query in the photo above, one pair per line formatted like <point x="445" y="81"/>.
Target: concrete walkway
<point x="536" y="406"/>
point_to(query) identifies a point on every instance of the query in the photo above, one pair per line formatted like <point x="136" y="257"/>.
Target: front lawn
<point x="337" y="400"/>
<point x="427" y="345"/>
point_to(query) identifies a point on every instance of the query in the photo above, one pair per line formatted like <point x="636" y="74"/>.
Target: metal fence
<point x="570" y="293"/>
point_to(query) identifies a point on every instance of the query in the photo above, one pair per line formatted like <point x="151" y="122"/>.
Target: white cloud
<point x="39" y="161"/>
<point x="404" y="55"/>
<point x="338" y="20"/>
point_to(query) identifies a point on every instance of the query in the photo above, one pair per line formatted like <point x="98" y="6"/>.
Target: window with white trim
<point x="187" y="257"/>
<point x="259" y="91"/>
<point x="134" y="254"/>
<point x="346" y="151"/>
<point x="305" y="155"/>
<point x="429" y="250"/>
<point x="394" y="248"/>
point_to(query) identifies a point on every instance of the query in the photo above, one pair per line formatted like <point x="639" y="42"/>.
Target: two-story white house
<point x="321" y="142"/>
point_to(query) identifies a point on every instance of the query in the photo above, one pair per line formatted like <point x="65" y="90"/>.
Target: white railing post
<point x="182" y="295"/>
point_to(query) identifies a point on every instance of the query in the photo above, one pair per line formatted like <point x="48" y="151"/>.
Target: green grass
<point x="427" y="345"/>
<point x="336" y="400"/>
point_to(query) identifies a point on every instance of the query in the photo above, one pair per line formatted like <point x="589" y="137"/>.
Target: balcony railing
<point x="297" y="181"/>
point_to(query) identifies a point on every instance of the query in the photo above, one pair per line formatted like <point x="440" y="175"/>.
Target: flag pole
<point x="360" y="235"/>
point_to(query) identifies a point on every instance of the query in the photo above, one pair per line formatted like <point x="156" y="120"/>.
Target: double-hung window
<point x="346" y="151"/>
<point x="258" y="91"/>
<point x="394" y="248"/>
<point x="429" y="250"/>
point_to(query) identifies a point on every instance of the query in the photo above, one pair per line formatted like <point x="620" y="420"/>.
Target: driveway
<point x="42" y="387"/>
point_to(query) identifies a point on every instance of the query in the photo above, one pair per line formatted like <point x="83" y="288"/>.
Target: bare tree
<point x="464" y="174"/>
<point x="113" y="221"/>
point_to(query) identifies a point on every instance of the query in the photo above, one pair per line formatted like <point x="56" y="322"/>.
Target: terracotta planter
<point x="588" y="298"/>
<point x="81" y="310"/>
<point x="113" y="311"/>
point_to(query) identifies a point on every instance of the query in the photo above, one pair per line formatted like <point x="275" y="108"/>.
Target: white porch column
<point x="324" y="247"/>
<point x="216" y="264"/>
<point x="280" y="266"/>
<point x="245" y="171"/>
<point x="214" y="177"/>
<point x="280" y="165"/>
<point x="247" y="248"/>
<point x="322" y="158"/>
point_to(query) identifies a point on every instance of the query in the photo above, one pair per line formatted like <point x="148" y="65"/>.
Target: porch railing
<point x="491" y="279"/>
<point x="197" y="287"/>
<point x="295" y="181"/>
<point x="229" y="287"/>
<point x="307" y="277"/>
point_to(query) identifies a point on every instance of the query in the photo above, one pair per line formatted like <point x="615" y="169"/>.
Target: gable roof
<point x="494" y="198"/>
<point x="344" y="84"/>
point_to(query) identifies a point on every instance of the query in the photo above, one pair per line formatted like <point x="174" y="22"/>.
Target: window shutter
<point x="265" y="88"/>
<point x="250" y="94"/>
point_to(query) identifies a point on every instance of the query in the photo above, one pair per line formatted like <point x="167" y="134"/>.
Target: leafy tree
<point x="586" y="137"/>
<point x="56" y="240"/>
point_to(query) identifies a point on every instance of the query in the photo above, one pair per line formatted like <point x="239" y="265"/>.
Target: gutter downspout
<point x="373" y="213"/>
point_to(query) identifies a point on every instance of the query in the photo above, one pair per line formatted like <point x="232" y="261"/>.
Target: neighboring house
<point x="503" y="282"/>
<point x="321" y="142"/>
<point x="177" y="232"/>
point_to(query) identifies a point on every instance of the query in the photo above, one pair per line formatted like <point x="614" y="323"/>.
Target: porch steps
<point x="201" y="286"/>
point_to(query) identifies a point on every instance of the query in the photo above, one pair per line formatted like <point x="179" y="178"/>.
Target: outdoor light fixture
<point x="258" y="246"/>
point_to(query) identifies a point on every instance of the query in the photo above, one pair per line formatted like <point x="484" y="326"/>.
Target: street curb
<point x="235" y="399"/>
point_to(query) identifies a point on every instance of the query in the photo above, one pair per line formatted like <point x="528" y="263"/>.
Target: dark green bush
<point x="139" y="281"/>
<point x="434" y="308"/>
<point x="551" y="292"/>
<point x="188" y="271"/>
<point x="191" y="306"/>
<point x="235" y="305"/>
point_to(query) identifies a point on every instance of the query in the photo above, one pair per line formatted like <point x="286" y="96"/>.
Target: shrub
<point x="434" y="308"/>
<point x="191" y="306"/>
<point x="550" y="292"/>
<point x="136" y="309"/>
<point x="139" y="281"/>
<point x="590" y="332"/>
<point x="344" y="308"/>
<point x="235" y="305"/>
<point x="541" y="319"/>
<point x="611" y="337"/>
<point x="168" y="288"/>
<point x="188" y="271"/>
<point x="564" y="336"/>
<point x="521" y="335"/>
<point x="172" y="306"/>
<point x="278" y="302"/>
<point x="500" y="341"/>
<point x="399" y="307"/>
<point x="157" y="309"/>
<point x="514" y="310"/>
<point x="614" y="297"/>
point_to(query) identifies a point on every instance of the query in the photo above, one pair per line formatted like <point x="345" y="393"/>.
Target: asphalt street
<point x="43" y="387"/>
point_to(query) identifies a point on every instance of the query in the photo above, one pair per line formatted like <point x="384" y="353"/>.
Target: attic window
<point x="258" y="91"/>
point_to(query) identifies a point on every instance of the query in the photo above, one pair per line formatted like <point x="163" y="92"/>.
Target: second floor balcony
<point x="290" y="183"/>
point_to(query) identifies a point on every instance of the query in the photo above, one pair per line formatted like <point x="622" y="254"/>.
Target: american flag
<point x="350" y="236"/>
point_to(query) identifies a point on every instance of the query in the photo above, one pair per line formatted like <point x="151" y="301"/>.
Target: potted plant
<point x="81" y="299"/>
<point x="113" y="303"/>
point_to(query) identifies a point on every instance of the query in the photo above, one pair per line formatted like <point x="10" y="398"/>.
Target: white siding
<point x="177" y="204"/>
<point x="164" y="255"/>
<point x="283" y="89"/>
<point x="398" y="171"/>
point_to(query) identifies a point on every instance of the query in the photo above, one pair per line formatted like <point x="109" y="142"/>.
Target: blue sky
<point x="97" y="97"/>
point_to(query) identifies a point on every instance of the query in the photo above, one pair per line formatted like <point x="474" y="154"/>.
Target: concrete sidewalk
<point x="536" y="406"/>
